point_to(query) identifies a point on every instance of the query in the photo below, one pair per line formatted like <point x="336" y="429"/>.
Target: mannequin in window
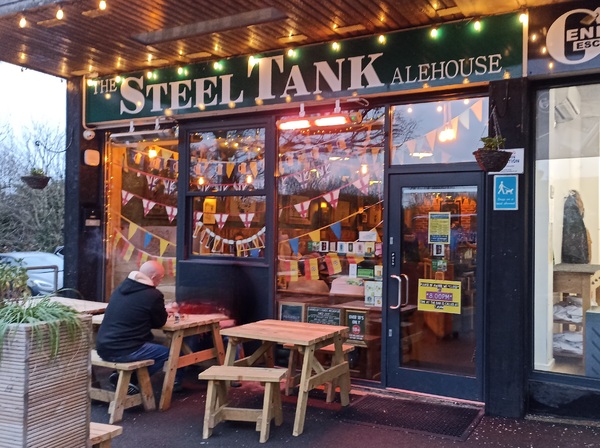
<point x="576" y="240"/>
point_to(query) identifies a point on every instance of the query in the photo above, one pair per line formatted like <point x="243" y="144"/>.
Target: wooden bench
<point x="216" y="409"/>
<point x="101" y="434"/>
<point x="119" y="400"/>
<point x="293" y="377"/>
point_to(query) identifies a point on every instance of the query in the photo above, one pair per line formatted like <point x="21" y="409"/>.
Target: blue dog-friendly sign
<point x="506" y="190"/>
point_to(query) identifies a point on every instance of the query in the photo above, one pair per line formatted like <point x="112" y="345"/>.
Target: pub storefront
<point x="336" y="183"/>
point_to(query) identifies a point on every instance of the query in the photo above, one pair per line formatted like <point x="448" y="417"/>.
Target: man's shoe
<point x="113" y="378"/>
<point x="132" y="389"/>
<point x="235" y="384"/>
<point x="178" y="387"/>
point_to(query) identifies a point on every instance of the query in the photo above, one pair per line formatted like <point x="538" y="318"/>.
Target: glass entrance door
<point x="433" y="300"/>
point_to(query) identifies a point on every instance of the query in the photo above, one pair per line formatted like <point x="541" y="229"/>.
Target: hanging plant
<point x="490" y="157"/>
<point x="36" y="179"/>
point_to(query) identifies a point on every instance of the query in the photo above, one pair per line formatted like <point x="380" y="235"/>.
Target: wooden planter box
<point x="45" y="402"/>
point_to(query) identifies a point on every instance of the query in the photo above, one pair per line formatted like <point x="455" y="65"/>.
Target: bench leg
<point x="116" y="407"/>
<point x="268" y="411"/>
<point x="146" y="389"/>
<point x="290" y="379"/>
<point x="209" y="408"/>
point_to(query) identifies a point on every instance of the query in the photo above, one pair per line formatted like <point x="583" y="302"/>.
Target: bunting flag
<point x="144" y="258"/>
<point x="247" y="219"/>
<point x="127" y="251"/>
<point x="336" y="228"/>
<point x="163" y="246"/>
<point x="229" y="168"/>
<point x="294" y="245"/>
<point x="132" y="229"/>
<point x="148" y="205"/>
<point x="430" y="138"/>
<point x="152" y="181"/>
<point x="332" y="197"/>
<point x="254" y="169"/>
<point x="125" y="197"/>
<point x="411" y="145"/>
<point x="242" y="168"/>
<point x="171" y="212"/>
<point x="362" y="184"/>
<point x="293" y="271"/>
<point x="170" y="186"/>
<point x="302" y="208"/>
<point x="478" y="110"/>
<point x="118" y="237"/>
<point x="221" y="218"/>
<point x="315" y="235"/>
<point x="311" y="269"/>
<point x="354" y="259"/>
<point x="333" y="264"/>
<point x="147" y="239"/>
<point x="220" y="169"/>
<point x="465" y="119"/>
<point x="198" y="217"/>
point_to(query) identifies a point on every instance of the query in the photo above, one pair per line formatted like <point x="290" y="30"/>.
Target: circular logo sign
<point x="574" y="38"/>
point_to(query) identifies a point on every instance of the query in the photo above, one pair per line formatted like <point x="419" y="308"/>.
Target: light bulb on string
<point x="60" y="14"/>
<point x="102" y="5"/>
<point x="23" y="22"/>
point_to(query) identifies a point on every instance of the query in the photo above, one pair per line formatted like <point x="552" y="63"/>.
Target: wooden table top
<point x="185" y="321"/>
<point x="285" y="332"/>
<point x="79" y="305"/>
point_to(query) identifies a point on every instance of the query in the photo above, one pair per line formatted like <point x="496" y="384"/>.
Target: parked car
<point x="59" y="251"/>
<point x="44" y="280"/>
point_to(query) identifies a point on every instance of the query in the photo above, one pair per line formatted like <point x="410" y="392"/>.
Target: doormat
<point x="453" y="422"/>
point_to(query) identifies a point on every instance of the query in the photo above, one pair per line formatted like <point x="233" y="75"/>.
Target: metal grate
<point x="441" y="420"/>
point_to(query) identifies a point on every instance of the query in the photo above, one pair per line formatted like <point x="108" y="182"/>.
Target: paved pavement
<point x="181" y="426"/>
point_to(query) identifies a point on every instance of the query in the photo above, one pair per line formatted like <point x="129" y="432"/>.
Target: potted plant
<point x="490" y="157"/>
<point x="37" y="179"/>
<point x="44" y="368"/>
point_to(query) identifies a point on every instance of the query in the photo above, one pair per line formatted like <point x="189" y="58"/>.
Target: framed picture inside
<point x="292" y="311"/>
<point x="438" y="250"/>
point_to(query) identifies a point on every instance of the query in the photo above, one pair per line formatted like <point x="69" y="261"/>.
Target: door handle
<point x="400" y="301"/>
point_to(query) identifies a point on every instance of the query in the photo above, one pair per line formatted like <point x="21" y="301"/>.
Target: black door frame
<point x="451" y="385"/>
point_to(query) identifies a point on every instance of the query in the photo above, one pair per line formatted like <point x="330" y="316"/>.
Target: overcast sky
<point x="28" y="96"/>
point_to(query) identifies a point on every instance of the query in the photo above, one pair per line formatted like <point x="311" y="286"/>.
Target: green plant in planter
<point x="492" y="143"/>
<point x="18" y="307"/>
<point x="37" y="172"/>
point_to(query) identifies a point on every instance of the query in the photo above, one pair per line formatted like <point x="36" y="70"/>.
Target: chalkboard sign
<point x="293" y="312"/>
<point x="356" y="322"/>
<point x="328" y="316"/>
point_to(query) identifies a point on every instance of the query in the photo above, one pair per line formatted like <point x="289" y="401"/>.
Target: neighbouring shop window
<point x="226" y="182"/>
<point x="141" y="210"/>
<point x="330" y="225"/>
<point x="438" y="131"/>
<point x="567" y="255"/>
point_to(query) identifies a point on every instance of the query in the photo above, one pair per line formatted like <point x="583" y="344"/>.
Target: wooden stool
<point x="292" y="377"/>
<point x="119" y="400"/>
<point x="101" y="434"/>
<point x="216" y="409"/>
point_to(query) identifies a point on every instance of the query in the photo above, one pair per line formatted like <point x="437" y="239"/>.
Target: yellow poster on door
<point x="442" y="296"/>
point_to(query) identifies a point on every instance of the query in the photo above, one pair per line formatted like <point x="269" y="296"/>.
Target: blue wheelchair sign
<point x="506" y="190"/>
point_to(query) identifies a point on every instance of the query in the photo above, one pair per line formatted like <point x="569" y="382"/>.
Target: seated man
<point x="135" y="308"/>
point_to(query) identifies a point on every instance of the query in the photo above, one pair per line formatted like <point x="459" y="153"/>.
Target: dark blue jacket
<point x="133" y="311"/>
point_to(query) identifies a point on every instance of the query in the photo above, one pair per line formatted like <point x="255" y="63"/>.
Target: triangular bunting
<point x="132" y="229"/>
<point x="302" y="208"/>
<point x="163" y="246"/>
<point x="362" y="184"/>
<point x="332" y="197"/>
<point x="148" y="205"/>
<point x="294" y="245"/>
<point x="171" y="212"/>
<point x="247" y="218"/>
<point x="465" y="119"/>
<point x="125" y="197"/>
<point x="147" y="239"/>
<point x="337" y="229"/>
<point x="333" y="264"/>
<point x="430" y="138"/>
<point x="311" y="269"/>
<point x="229" y="168"/>
<point x="478" y="110"/>
<point x="315" y="235"/>
<point x="221" y="218"/>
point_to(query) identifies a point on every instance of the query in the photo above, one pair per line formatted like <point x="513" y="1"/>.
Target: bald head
<point x="154" y="271"/>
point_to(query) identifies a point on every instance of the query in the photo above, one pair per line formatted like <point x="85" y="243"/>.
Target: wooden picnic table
<point x="80" y="305"/>
<point x="175" y="331"/>
<point x="308" y="338"/>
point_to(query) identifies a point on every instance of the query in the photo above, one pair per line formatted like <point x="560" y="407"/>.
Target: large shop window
<point x="141" y="210"/>
<point x="438" y="131"/>
<point x="330" y="200"/>
<point x="227" y="185"/>
<point x="567" y="235"/>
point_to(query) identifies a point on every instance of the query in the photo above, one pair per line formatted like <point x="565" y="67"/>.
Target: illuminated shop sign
<point x="564" y="38"/>
<point x="373" y="65"/>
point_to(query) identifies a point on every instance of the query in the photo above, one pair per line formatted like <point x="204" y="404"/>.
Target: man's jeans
<point x="159" y="353"/>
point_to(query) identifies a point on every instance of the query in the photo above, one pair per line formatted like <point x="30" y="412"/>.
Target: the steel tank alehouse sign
<point x="405" y="60"/>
